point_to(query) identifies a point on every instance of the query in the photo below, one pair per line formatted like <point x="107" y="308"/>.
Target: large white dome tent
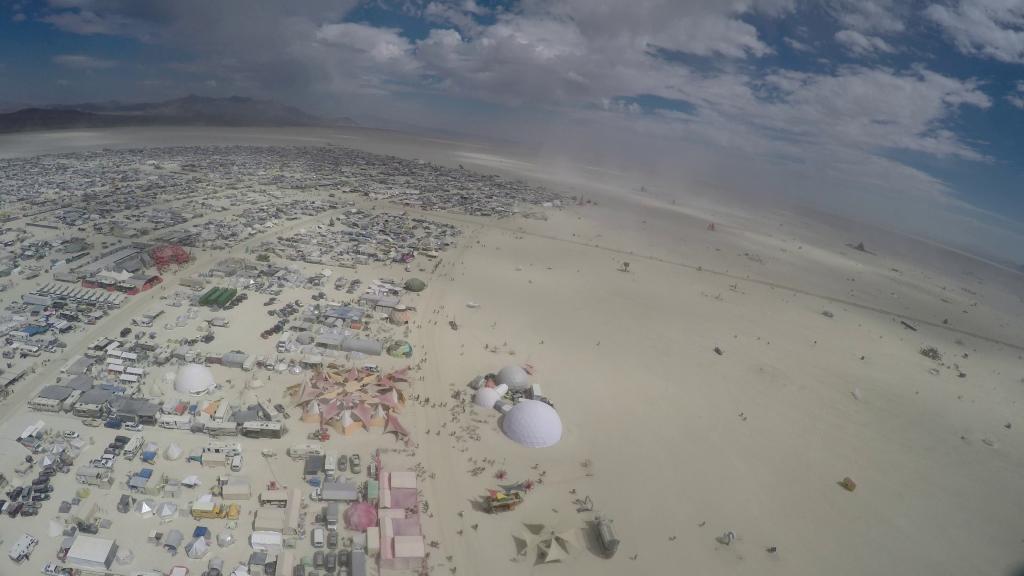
<point x="532" y="423"/>
<point x="193" y="379"/>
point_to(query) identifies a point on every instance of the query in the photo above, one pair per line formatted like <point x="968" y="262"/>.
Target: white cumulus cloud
<point x="989" y="28"/>
<point x="83" y="62"/>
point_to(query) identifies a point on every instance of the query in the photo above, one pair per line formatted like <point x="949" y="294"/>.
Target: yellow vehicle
<point x="208" y="510"/>
<point x="501" y="501"/>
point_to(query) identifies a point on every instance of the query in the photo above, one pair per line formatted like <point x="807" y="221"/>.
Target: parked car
<point x="355" y="464"/>
<point x="343" y="463"/>
<point x="14" y="509"/>
<point x="133" y="427"/>
<point x="330" y="563"/>
<point x="71" y="434"/>
<point x="125" y="332"/>
<point x="92" y="422"/>
<point x="332" y="539"/>
<point x="40" y="497"/>
<point x="113" y="424"/>
<point x="318" y="559"/>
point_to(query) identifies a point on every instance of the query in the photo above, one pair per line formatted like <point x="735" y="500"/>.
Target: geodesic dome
<point x="400" y="349"/>
<point x="486" y="397"/>
<point x="415" y="285"/>
<point x="193" y="379"/>
<point x="533" y="423"/>
<point x="360" y="516"/>
<point x="514" y="377"/>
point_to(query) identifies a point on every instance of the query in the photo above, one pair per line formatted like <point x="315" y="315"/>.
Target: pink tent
<point x="394" y="425"/>
<point x="360" y="516"/>
<point x="362" y="411"/>
<point x="389" y="398"/>
<point x="309" y="392"/>
<point x="330" y="410"/>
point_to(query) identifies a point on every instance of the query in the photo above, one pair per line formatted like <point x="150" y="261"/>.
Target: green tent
<point x="415" y="285"/>
<point x="400" y="349"/>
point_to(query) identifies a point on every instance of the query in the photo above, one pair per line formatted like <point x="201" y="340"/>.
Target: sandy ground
<point x="686" y="444"/>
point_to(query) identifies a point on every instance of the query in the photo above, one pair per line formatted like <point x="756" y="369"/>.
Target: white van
<point x="236" y="463"/>
<point x="318" y="537"/>
<point x="331" y="464"/>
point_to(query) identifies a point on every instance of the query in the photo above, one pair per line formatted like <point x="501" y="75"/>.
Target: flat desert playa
<point x="726" y="380"/>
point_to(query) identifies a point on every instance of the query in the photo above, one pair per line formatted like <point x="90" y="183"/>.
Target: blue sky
<point x="904" y="113"/>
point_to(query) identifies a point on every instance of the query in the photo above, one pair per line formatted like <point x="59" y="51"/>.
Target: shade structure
<point x="557" y="546"/>
<point x="194" y="380"/>
<point x="533" y="423"/>
<point x="394" y="425"/>
<point x="311" y="413"/>
<point x="360" y="516"/>
<point x="486" y="397"/>
<point x="515" y="377"/>
<point x="415" y="285"/>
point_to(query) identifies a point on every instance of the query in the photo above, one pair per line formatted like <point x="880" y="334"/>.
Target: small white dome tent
<point x="486" y="397"/>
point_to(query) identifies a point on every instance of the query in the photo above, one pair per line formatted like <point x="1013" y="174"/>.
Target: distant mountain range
<point x="188" y="111"/>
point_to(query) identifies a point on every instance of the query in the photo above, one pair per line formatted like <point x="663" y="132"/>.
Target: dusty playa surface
<point x="727" y="380"/>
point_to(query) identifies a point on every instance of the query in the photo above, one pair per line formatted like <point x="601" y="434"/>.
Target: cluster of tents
<point x="354" y="399"/>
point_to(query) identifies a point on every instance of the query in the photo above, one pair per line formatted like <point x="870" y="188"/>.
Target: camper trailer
<point x="256" y="429"/>
<point x="22" y="549"/>
<point x="133" y="447"/>
<point x="228" y="449"/>
<point x="215" y="429"/>
<point x="94" y="476"/>
<point x="300" y="451"/>
<point x="174" y="421"/>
